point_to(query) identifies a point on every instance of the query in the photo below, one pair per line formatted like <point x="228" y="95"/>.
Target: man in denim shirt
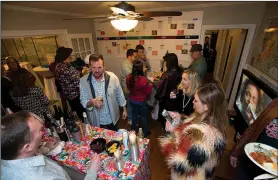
<point x="21" y="135"/>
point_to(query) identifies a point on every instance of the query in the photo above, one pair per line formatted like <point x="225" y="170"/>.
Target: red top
<point x="141" y="89"/>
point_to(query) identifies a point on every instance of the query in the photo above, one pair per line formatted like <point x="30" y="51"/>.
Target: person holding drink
<point x="182" y="98"/>
<point x="194" y="146"/>
<point x="101" y="95"/>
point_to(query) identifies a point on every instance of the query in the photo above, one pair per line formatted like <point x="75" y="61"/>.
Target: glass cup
<point x="99" y="101"/>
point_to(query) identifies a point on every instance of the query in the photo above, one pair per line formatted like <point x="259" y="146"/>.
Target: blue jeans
<point x="143" y="108"/>
<point x="128" y="107"/>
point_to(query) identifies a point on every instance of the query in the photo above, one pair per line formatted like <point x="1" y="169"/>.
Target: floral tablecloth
<point x="78" y="155"/>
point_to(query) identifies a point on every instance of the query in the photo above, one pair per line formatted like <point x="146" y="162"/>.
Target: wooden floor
<point x="159" y="170"/>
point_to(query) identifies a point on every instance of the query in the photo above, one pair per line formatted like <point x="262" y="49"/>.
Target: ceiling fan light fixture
<point x="124" y="24"/>
<point x="117" y="10"/>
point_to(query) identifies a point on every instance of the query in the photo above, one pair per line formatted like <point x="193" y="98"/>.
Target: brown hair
<point x="214" y="97"/>
<point x="22" y="80"/>
<point x="15" y="133"/>
<point x="95" y="57"/>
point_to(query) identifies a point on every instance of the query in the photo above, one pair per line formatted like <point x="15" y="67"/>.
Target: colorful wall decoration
<point x="158" y="36"/>
<point x="267" y="59"/>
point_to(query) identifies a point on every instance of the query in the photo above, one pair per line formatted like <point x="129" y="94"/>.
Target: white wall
<point x="13" y="20"/>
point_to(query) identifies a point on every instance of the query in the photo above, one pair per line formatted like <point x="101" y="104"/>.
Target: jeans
<point x="129" y="109"/>
<point x="143" y="108"/>
<point x="128" y="106"/>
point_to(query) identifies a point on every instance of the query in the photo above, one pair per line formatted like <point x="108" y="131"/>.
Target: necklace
<point x="183" y="106"/>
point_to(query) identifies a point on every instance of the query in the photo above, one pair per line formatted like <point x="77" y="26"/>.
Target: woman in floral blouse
<point x="28" y="96"/>
<point x="68" y="78"/>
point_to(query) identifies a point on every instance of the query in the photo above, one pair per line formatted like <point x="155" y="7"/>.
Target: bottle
<point x="56" y="115"/>
<point x="74" y="129"/>
<point x="60" y="112"/>
<point x="140" y="133"/>
<point x="62" y="131"/>
<point x="134" y="150"/>
<point x="9" y="111"/>
<point x="55" y="134"/>
<point x="47" y="121"/>
<point x="88" y="129"/>
<point x="79" y="123"/>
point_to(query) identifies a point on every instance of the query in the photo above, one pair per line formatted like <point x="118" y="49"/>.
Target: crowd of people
<point x="193" y="144"/>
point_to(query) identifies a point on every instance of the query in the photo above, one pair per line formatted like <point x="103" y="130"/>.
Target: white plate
<point x="249" y="148"/>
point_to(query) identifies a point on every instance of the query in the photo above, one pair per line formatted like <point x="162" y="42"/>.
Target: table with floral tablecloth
<point x="77" y="156"/>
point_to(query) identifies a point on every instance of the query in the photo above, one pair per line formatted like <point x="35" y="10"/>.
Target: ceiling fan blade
<point x="105" y="21"/>
<point x="88" y="17"/>
<point x="144" y="18"/>
<point x="161" y="13"/>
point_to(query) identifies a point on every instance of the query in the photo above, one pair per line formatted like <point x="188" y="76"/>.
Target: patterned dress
<point x="35" y="101"/>
<point x="68" y="78"/>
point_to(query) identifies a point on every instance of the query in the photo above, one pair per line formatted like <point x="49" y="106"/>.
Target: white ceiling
<point x="101" y="8"/>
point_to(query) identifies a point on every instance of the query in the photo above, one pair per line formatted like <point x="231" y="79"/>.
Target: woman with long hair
<point x="194" y="148"/>
<point x="168" y="81"/>
<point x="139" y="89"/>
<point x="183" y="100"/>
<point x="13" y="65"/>
<point x="27" y="95"/>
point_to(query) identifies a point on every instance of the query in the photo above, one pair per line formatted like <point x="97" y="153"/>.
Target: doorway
<point x="228" y="47"/>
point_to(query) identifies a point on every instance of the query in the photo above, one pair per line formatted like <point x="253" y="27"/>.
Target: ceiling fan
<point x="123" y="10"/>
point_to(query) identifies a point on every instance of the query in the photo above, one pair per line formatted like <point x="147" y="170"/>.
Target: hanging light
<point x="124" y="24"/>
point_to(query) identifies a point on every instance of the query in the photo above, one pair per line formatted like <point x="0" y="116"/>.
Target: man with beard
<point x="101" y="95"/>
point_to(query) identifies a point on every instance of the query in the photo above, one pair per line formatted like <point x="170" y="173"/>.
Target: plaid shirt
<point x="68" y="78"/>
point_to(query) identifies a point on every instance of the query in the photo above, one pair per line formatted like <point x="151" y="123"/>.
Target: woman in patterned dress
<point x="28" y="96"/>
<point x="68" y="79"/>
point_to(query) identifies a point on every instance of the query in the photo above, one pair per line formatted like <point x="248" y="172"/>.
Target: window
<point x="34" y="50"/>
<point x="81" y="44"/>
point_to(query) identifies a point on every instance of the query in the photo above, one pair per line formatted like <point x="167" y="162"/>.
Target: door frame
<point x="245" y="54"/>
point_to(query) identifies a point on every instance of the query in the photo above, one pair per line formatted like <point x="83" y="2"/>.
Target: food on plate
<point x="271" y="166"/>
<point x="274" y="153"/>
<point x="112" y="148"/>
<point x="264" y="160"/>
<point x="260" y="157"/>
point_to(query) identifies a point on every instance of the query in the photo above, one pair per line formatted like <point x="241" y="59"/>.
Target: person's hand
<point x="183" y="116"/>
<point x="173" y="95"/>
<point x="169" y="127"/>
<point x="124" y="114"/>
<point x="95" y="162"/>
<point x="175" y="116"/>
<point x="233" y="161"/>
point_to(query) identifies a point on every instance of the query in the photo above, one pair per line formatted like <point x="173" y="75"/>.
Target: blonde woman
<point x="185" y="95"/>
<point x="194" y="148"/>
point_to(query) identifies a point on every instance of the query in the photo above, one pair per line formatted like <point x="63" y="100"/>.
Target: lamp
<point x="124" y="24"/>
